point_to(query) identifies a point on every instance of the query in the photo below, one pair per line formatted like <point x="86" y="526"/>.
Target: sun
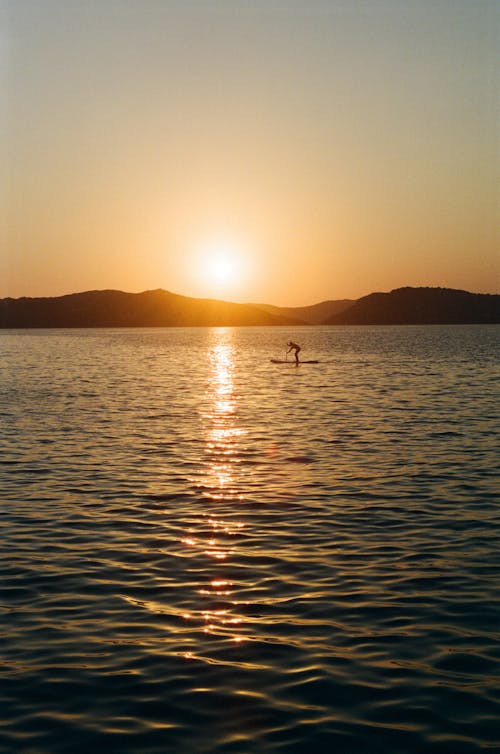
<point x="221" y="265"/>
<point x="221" y="268"/>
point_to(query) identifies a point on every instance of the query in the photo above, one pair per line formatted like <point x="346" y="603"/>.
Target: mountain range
<point x="160" y="308"/>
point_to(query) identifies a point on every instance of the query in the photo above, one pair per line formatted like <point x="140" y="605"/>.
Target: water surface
<point x="206" y="552"/>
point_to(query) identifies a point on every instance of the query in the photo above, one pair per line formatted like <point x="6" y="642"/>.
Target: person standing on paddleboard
<point x="294" y="347"/>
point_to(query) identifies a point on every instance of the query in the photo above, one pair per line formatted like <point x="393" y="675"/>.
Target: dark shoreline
<point x="159" y="308"/>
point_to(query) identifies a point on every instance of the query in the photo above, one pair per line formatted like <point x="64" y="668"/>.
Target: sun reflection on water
<point x="213" y="549"/>
<point x="220" y="416"/>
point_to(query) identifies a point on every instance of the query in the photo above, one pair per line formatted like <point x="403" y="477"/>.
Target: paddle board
<point x="282" y="361"/>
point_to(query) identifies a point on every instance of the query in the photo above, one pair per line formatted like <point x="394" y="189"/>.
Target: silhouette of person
<point x="294" y="347"/>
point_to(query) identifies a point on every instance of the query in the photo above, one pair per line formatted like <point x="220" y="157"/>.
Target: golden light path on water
<point x="218" y="484"/>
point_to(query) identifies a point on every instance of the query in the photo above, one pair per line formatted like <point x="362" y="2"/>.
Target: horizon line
<point x="249" y="303"/>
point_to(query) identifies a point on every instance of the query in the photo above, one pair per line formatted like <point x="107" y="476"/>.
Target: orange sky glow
<point x="284" y="152"/>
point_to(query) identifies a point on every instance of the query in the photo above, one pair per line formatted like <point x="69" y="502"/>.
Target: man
<point x="294" y="347"/>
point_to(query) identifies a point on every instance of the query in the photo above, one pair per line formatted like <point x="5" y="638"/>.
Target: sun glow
<point x="221" y="269"/>
<point x="222" y="265"/>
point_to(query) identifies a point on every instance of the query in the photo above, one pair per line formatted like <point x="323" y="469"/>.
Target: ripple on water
<point x="245" y="561"/>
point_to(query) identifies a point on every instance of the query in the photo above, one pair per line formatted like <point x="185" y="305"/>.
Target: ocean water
<point x="205" y="552"/>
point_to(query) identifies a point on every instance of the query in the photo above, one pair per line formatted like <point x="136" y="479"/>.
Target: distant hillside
<point x="117" y="309"/>
<point x="420" y="306"/>
<point x="312" y="315"/>
<point x="164" y="309"/>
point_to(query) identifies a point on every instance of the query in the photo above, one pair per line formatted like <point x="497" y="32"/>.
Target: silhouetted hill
<point x="421" y="306"/>
<point x="313" y="315"/>
<point x="118" y="309"/>
<point x="164" y="309"/>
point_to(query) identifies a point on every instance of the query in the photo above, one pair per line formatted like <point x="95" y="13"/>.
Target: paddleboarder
<point x="294" y="347"/>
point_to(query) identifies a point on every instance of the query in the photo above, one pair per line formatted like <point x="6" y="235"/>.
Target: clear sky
<point x="278" y="151"/>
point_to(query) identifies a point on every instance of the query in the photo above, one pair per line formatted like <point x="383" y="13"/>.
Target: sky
<point x="277" y="151"/>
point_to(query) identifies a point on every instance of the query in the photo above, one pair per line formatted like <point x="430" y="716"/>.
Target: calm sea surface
<point x="205" y="552"/>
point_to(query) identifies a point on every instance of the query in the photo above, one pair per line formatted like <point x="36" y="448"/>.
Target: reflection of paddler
<point x="294" y="347"/>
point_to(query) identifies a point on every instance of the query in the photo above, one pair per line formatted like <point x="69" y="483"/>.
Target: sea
<point x="203" y="552"/>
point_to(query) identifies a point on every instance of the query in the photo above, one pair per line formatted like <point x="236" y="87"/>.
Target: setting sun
<point x="222" y="266"/>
